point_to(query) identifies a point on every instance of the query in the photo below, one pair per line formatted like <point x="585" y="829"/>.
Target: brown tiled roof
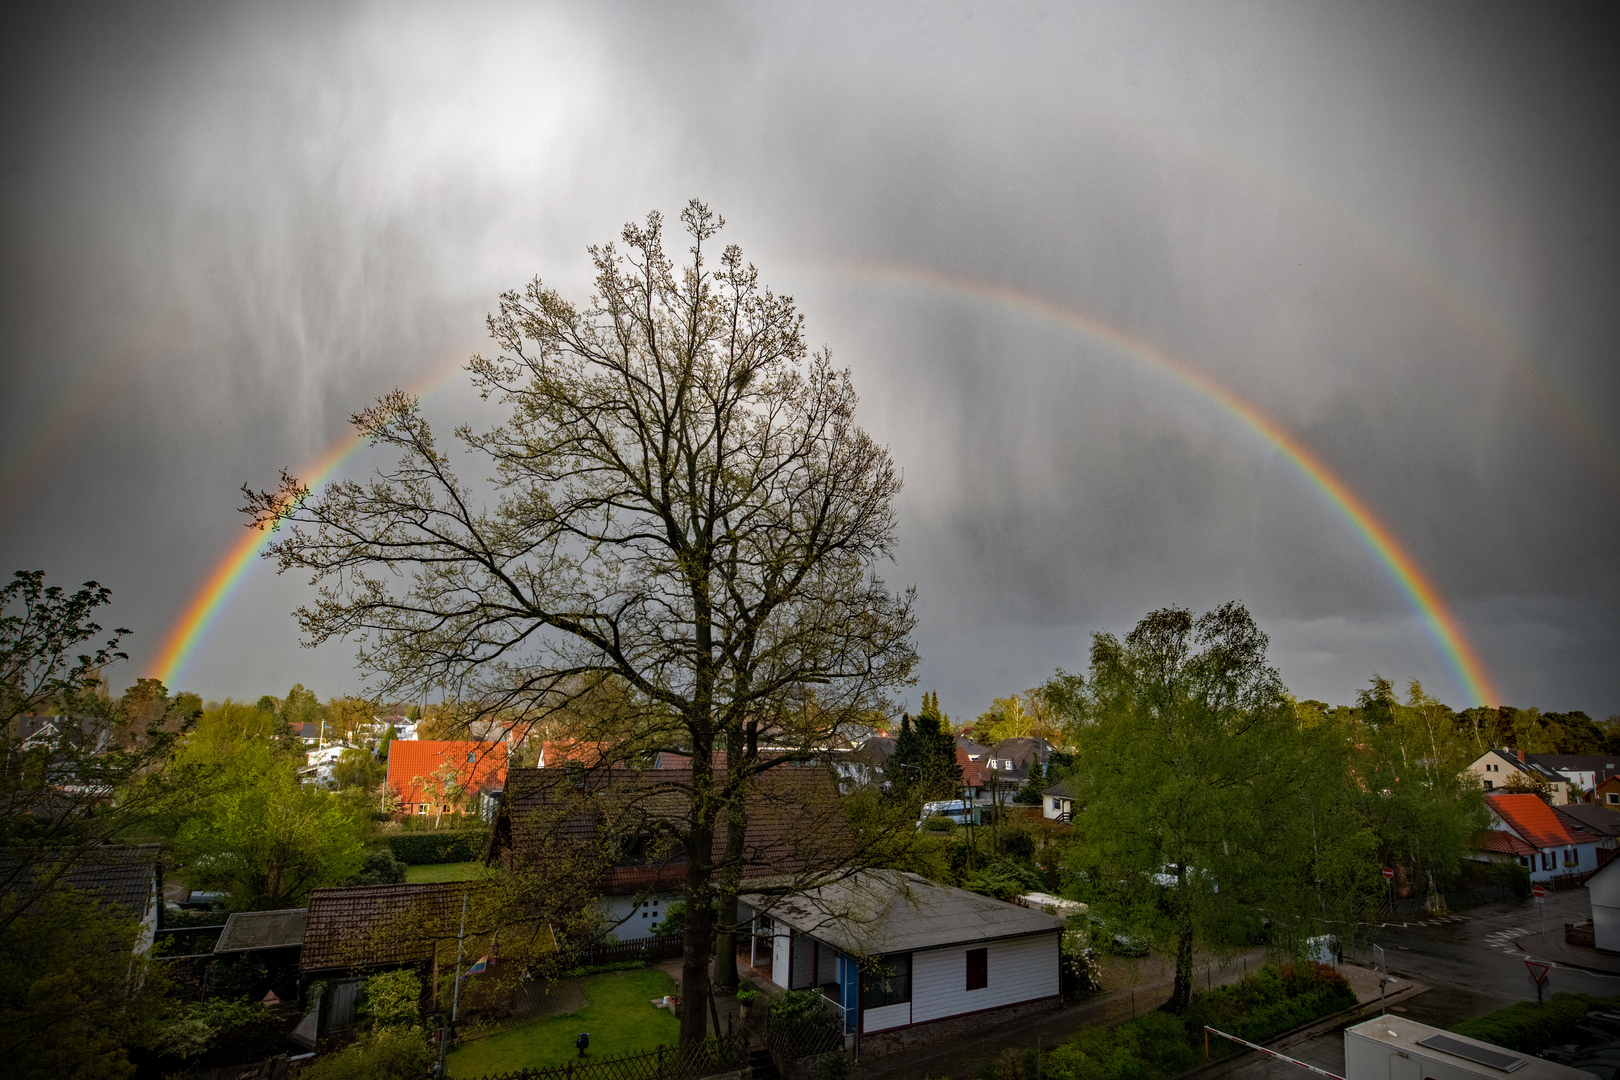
<point x="795" y="821"/>
<point x="1503" y="843"/>
<point x="379" y="925"/>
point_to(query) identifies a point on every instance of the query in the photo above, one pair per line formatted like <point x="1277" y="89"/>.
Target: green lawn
<point x="450" y="871"/>
<point x="617" y="1014"/>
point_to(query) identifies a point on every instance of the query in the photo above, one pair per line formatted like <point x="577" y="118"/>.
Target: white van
<point x="958" y="810"/>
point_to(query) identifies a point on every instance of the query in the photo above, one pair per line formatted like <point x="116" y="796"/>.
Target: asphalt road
<point x="1474" y="960"/>
<point x="1473" y="963"/>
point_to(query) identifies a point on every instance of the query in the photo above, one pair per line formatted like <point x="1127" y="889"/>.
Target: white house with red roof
<point x="438" y="776"/>
<point x="1555" y="851"/>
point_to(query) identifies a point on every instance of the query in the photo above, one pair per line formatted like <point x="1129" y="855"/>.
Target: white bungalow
<point x="893" y="952"/>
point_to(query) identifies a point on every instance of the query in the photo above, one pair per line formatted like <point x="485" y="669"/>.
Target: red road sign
<point x="1388" y="872"/>
<point x="1535" y="890"/>
<point x="1538" y="972"/>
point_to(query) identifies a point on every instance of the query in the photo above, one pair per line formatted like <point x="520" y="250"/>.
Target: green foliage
<point x="358" y="769"/>
<point x="1271" y="1001"/>
<point x="379" y="868"/>
<point x="797" y="1007"/>
<point x="939" y="823"/>
<point x="446" y="846"/>
<point x="1158" y="1045"/>
<point x="747" y="995"/>
<point x="383" y="1053"/>
<point x="1034" y="784"/>
<point x="393" y="997"/>
<point x="1004" y="880"/>
<point x="835" y="1066"/>
<point x="204" y="1026"/>
<point x="1205" y="797"/>
<point x="923" y="766"/>
<point x="71" y="995"/>
<point x="267" y="838"/>
<point x="1146" y="1048"/>
<point x="1529" y="1026"/>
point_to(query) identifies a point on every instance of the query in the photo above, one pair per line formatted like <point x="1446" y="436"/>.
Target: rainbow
<point x="1443" y="627"/>
<point x="216" y="591"/>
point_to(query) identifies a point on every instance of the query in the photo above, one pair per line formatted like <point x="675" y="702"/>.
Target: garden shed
<point x="896" y="953"/>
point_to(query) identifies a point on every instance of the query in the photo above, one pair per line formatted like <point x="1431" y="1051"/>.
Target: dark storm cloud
<point x="236" y="226"/>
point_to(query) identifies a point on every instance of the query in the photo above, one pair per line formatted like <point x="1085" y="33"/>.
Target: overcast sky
<point x="1391" y="230"/>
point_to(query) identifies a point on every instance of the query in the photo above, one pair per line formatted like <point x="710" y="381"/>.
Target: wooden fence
<point x="726" y="1054"/>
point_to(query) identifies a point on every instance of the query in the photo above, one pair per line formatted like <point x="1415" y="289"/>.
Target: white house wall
<point x="889" y="1016"/>
<point x="629" y="921"/>
<point x="1019" y="969"/>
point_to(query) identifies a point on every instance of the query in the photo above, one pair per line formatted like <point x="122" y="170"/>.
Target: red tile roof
<point x="973" y="773"/>
<point x="414" y="768"/>
<point x="1532" y="819"/>
<point x="1504" y="843"/>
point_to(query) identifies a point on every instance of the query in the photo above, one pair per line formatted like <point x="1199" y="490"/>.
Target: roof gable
<point x="375" y="925"/>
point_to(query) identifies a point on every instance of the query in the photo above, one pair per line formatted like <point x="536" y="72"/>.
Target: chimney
<point x="1521" y="755"/>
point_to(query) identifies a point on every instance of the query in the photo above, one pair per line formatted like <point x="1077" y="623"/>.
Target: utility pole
<point x="455" y="999"/>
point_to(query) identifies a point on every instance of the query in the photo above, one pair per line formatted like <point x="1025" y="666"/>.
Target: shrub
<point x="1270" y="1002"/>
<point x="940" y="823"/>
<point x="419" y="848"/>
<point x="380" y="868"/>
<point x="602" y="969"/>
<point x="205" y="1026"/>
<point x="747" y="995"/>
<point x="798" y="1007"/>
<point x="393" y="997"/>
<point x="1529" y="1026"/>
<point x="384" y="1053"/>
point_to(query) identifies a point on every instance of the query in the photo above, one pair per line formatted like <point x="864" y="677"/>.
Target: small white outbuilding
<point x="1395" y="1048"/>
<point x="890" y="950"/>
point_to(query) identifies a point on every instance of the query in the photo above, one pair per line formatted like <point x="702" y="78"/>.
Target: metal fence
<point x="726" y="1054"/>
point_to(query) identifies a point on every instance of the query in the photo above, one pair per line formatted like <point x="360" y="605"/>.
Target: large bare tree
<point x="682" y="499"/>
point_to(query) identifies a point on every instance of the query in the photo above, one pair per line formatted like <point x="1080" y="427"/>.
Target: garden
<point x="615" y="1009"/>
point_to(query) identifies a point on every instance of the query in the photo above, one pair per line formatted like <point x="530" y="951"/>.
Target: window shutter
<point x="978" y="969"/>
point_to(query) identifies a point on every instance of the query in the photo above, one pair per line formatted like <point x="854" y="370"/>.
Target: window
<point x="1612" y="798"/>
<point x="471" y="757"/>
<point x="1546" y="860"/>
<point x="421" y="808"/>
<point x="886" y="981"/>
<point x="978" y="969"/>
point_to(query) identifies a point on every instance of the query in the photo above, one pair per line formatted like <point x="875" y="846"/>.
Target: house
<point x="1583" y="772"/>
<point x="977" y="779"/>
<point x="1498" y="769"/>
<point x="600" y="832"/>
<point x="435" y="776"/>
<point x="1607" y="793"/>
<point x="1057" y="801"/>
<point x="1604" y="889"/>
<point x="1558" y="852"/>
<point x="126" y="881"/>
<point x="86" y="734"/>
<point x="903" y="960"/>
<point x="1587" y="820"/>
<point x="862" y="765"/>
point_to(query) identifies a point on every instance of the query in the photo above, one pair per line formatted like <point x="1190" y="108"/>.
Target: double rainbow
<point x="1425" y="599"/>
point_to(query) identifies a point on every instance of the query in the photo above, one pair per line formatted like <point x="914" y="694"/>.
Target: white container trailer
<point x="1394" y="1048"/>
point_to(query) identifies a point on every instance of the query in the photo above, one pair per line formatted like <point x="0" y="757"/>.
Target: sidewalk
<point x="1551" y="946"/>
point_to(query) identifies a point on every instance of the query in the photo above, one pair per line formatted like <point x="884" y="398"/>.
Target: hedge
<point x="1529" y="1026"/>
<point x="1159" y="1045"/>
<point x="459" y="845"/>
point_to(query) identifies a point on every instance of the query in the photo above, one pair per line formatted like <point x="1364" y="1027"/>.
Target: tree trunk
<point x="699" y="937"/>
<point x="1181" y="996"/>
<point x="728" y="884"/>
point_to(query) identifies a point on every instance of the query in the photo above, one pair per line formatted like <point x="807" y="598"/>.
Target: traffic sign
<point x="1538" y="971"/>
<point x="1389" y="873"/>
<point x="1535" y="890"/>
